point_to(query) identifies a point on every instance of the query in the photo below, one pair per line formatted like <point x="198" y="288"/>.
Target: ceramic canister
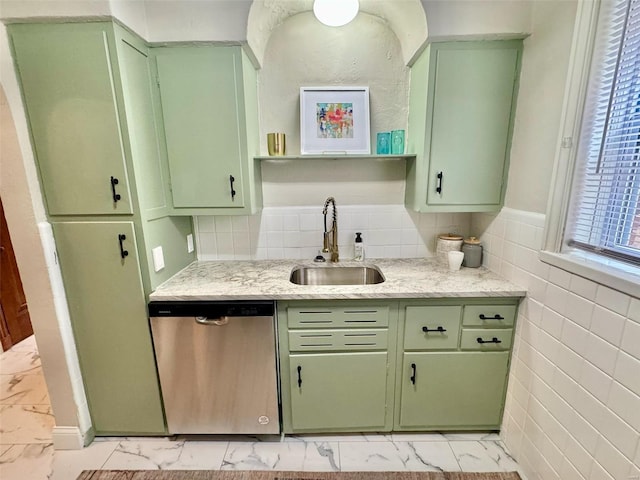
<point x="446" y="243"/>
<point x="472" y="250"/>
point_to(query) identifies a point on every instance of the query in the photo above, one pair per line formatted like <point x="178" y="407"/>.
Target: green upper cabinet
<point x="70" y="98"/>
<point x="209" y="110"/>
<point x="460" y="122"/>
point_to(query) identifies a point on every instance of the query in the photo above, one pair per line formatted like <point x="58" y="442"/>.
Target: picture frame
<point x="334" y="120"/>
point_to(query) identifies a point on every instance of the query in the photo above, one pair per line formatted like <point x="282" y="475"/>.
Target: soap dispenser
<point x="358" y="248"/>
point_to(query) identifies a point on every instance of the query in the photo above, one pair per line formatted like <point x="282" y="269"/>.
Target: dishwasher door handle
<point x="212" y="321"/>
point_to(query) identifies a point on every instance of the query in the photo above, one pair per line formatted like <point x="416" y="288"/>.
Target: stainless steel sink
<point x="336" y="275"/>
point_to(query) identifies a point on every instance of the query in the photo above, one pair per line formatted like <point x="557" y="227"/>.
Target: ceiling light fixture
<point x="335" y="13"/>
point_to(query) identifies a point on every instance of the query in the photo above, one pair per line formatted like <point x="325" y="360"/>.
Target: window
<point x="604" y="210"/>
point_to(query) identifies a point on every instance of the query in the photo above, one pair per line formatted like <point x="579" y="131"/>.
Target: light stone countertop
<point x="269" y="280"/>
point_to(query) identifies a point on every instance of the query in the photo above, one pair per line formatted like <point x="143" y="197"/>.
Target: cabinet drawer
<point x="489" y="315"/>
<point x="351" y="339"/>
<point x="442" y="323"/>
<point x="491" y="339"/>
<point x="328" y="317"/>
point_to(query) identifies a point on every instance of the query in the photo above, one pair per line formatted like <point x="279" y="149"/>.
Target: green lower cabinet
<point x="111" y="327"/>
<point x="452" y="390"/>
<point x="345" y="391"/>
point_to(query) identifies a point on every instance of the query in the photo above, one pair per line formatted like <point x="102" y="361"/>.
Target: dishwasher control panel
<point x="212" y="309"/>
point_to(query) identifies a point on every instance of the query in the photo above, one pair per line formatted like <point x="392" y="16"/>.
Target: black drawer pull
<point x="413" y="373"/>
<point x="439" y="329"/>
<point x="116" y="196"/>
<point x="493" y="340"/>
<point x="439" y="183"/>
<point x="495" y="317"/>
<point x="299" y="376"/>
<point x="123" y="252"/>
<point x="233" y="192"/>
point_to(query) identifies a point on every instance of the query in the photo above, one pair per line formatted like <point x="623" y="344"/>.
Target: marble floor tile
<point x="141" y="455"/>
<point x="19" y="362"/>
<point x="418" y="437"/>
<point x="397" y="456"/>
<point x="200" y="455"/>
<point x="23" y="389"/>
<point x="28" y="345"/>
<point x="472" y="437"/>
<point x="22" y="462"/>
<point x="483" y="456"/>
<point x="344" y="437"/>
<point x="309" y="456"/>
<point x="68" y="464"/>
<point x="25" y="424"/>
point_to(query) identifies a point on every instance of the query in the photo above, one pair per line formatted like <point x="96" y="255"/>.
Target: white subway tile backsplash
<point x="595" y="381"/>
<point x="585" y="376"/>
<point x="607" y="324"/>
<point x="387" y="230"/>
<point x="559" y="277"/>
<point x="611" y="459"/>
<point x="613" y="300"/>
<point x="223" y="224"/>
<point x="627" y="372"/>
<point x="625" y="404"/>
<point x="601" y="353"/>
<point x="578" y="309"/>
<point x="555" y="298"/>
<point x="583" y="287"/>
<point x="634" y="310"/>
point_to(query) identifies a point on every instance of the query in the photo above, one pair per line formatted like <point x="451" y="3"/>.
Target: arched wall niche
<point x="406" y="18"/>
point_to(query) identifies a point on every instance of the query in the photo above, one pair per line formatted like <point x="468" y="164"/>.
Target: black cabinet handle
<point x="493" y="340"/>
<point x="439" y="183"/>
<point x="299" y="376"/>
<point x="123" y="252"/>
<point x="413" y="371"/>
<point x="116" y="196"/>
<point x="439" y="329"/>
<point x="495" y="317"/>
<point x="231" y="180"/>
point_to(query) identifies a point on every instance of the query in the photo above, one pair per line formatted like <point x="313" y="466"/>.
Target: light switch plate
<point x="158" y="259"/>
<point x="190" y="243"/>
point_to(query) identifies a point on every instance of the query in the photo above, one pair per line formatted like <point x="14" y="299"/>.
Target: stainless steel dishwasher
<point x="217" y="365"/>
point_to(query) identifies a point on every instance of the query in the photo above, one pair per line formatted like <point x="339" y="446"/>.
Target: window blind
<point x="604" y="215"/>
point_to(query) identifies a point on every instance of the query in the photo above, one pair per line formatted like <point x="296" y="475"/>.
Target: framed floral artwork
<point x="334" y="120"/>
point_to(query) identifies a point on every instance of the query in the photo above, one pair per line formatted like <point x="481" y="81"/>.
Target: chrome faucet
<point x="330" y="243"/>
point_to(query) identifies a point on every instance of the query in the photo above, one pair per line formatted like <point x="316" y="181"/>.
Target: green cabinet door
<point x="456" y="390"/>
<point x="462" y="105"/>
<point x="344" y="391"/>
<point x="70" y="98"/>
<point x="202" y="111"/>
<point x="110" y="324"/>
<point x="472" y="105"/>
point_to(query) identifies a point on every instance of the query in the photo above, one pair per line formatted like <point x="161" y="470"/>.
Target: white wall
<point x="542" y="83"/>
<point x="573" y="401"/>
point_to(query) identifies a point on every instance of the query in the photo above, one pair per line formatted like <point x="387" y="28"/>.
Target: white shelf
<point x="334" y="156"/>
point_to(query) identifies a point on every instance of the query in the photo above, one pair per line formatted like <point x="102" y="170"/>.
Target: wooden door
<point x="15" y="324"/>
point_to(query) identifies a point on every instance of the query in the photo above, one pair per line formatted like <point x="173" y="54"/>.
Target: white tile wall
<point x="389" y="231"/>
<point x="573" y="403"/>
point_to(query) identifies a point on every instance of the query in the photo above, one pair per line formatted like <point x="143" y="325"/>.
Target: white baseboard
<point x="67" y="438"/>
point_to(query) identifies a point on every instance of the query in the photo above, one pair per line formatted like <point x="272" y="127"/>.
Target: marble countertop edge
<point x="405" y="279"/>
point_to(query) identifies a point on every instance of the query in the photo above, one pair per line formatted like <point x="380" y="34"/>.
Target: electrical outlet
<point x="158" y="259"/>
<point x="190" y="243"/>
